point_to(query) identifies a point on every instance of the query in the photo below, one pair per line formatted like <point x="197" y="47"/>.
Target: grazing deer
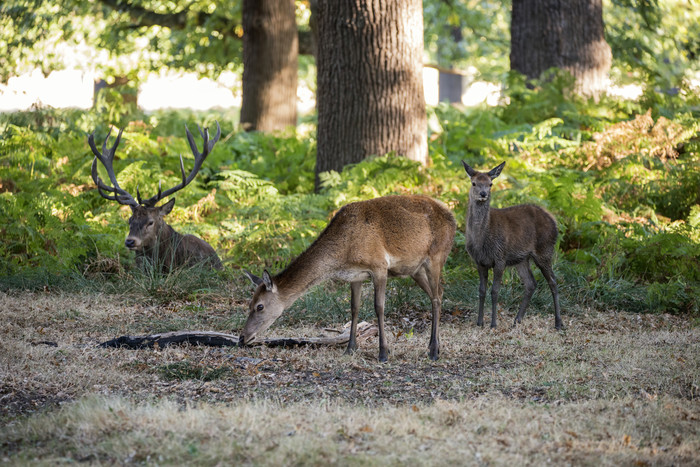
<point x="497" y="238"/>
<point x="380" y="238"/>
<point x="149" y="236"/>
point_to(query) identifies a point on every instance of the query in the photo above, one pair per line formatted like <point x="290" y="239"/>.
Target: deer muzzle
<point x="132" y="243"/>
<point x="244" y="340"/>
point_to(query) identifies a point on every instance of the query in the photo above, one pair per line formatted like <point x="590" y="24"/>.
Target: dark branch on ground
<point x="220" y="339"/>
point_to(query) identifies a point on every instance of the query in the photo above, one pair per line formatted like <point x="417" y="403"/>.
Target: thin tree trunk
<point x="370" y="83"/>
<point x="270" y="51"/>
<point x="569" y="35"/>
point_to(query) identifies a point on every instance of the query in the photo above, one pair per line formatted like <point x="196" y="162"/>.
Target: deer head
<point x="146" y="220"/>
<point x="145" y="225"/>
<point x="264" y="308"/>
<point x="482" y="182"/>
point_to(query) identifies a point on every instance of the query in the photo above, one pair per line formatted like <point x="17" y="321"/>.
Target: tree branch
<point x="178" y="21"/>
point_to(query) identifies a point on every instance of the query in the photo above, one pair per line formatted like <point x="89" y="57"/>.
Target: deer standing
<point x="376" y="239"/>
<point x="498" y="238"/>
<point x="150" y="237"/>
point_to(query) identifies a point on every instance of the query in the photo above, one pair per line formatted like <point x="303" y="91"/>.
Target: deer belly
<point x="352" y="275"/>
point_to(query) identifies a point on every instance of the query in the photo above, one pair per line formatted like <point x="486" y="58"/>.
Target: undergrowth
<point x="622" y="180"/>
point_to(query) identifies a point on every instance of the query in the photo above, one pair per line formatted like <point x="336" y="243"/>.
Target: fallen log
<point x="219" y="339"/>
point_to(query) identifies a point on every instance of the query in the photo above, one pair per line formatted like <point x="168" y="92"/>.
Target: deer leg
<point x="379" y="299"/>
<point x="548" y="274"/>
<point x="495" y="287"/>
<point x="436" y="301"/>
<point x="529" y="283"/>
<point x="423" y="279"/>
<point x="355" y="298"/>
<point x="483" y="281"/>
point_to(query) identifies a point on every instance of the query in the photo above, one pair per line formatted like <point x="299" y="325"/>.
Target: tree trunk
<point x="569" y="35"/>
<point x="370" y="82"/>
<point x="270" y="51"/>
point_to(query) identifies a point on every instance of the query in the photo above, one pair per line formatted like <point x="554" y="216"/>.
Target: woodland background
<point x="621" y="176"/>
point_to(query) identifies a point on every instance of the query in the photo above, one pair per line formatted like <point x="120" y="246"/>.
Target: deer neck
<point x="167" y="239"/>
<point x="478" y="216"/>
<point x="313" y="266"/>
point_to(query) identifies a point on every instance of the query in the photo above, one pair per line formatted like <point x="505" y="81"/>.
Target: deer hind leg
<point x="483" y="281"/>
<point x="495" y="287"/>
<point x="529" y="283"/>
<point x="429" y="281"/>
<point x="379" y="299"/>
<point x="355" y="299"/>
<point x="548" y="273"/>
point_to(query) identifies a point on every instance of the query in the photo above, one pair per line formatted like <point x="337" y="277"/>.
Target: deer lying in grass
<point x="380" y="238"/>
<point x="497" y="238"/>
<point x="150" y="237"/>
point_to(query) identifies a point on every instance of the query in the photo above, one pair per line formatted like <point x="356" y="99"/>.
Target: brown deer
<point x="498" y="238"/>
<point x="376" y="239"/>
<point x="150" y="237"/>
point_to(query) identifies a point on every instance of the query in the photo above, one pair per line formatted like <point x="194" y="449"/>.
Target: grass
<point x="612" y="388"/>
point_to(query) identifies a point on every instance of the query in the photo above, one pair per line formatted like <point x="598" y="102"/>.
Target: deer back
<point x="519" y="232"/>
<point x="395" y="231"/>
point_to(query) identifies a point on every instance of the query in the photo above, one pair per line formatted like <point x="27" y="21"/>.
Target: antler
<point x="107" y="156"/>
<point x="198" y="160"/>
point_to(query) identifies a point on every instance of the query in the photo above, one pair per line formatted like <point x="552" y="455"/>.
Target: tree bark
<point x="569" y="35"/>
<point x="270" y="51"/>
<point x="370" y="83"/>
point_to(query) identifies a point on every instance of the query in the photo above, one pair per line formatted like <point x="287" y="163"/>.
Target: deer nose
<point x="483" y="194"/>
<point x="130" y="242"/>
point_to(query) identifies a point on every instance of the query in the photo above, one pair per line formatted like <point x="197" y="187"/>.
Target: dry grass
<point x="613" y="388"/>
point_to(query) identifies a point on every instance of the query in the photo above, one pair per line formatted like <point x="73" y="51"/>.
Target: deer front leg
<point x="497" y="276"/>
<point x="379" y="298"/>
<point x="355" y="298"/>
<point x="483" y="280"/>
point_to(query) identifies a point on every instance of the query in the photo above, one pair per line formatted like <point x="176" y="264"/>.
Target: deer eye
<point x="260" y="307"/>
<point x="473" y="183"/>
<point x="490" y="184"/>
<point x="150" y="224"/>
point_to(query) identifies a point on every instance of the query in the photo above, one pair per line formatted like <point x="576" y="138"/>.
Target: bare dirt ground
<point x="612" y="388"/>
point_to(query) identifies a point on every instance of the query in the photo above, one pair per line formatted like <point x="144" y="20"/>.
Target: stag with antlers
<point x="150" y="237"/>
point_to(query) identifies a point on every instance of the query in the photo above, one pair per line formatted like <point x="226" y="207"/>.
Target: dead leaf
<point x="626" y="440"/>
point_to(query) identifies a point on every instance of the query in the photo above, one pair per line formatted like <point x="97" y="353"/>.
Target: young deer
<point x="497" y="238"/>
<point x="380" y="238"/>
<point x="149" y="235"/>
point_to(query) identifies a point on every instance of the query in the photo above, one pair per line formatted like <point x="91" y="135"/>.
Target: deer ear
<point x="165" y="209"/>
<point x="253" y="278"/>
<point x="471" y="172"/>
<point x="497" y="171"/>
<point x="267" y="280"/>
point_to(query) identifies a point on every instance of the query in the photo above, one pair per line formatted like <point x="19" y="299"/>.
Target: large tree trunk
<point x="370" y="81"/>
<point x="270" y="51"/>
<point x="569" y="35"/>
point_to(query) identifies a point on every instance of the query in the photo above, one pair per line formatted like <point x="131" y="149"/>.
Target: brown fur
<point x="152" y="239"/>
<point x="380" y="238"/>
<point x="149" y="236"/>
<point x="498" y="238"/>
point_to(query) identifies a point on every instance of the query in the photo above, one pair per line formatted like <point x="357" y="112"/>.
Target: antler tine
<point x="198" y="161"/>
<point x="106" y="158"/>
